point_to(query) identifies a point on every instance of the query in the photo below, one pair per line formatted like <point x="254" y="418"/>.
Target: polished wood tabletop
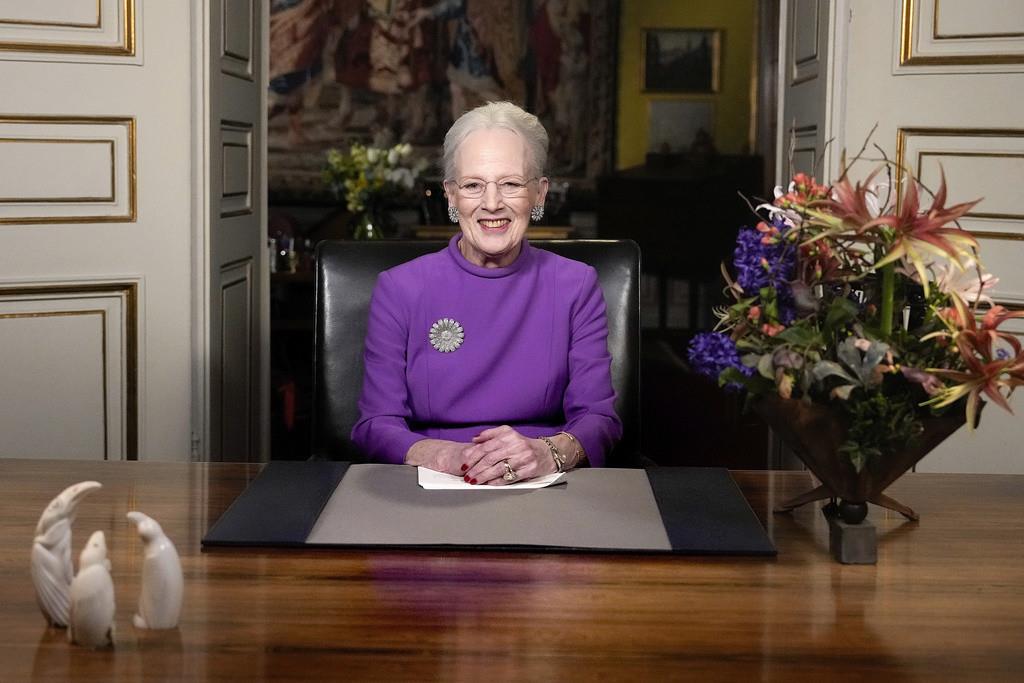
<point x="944" y="602"/>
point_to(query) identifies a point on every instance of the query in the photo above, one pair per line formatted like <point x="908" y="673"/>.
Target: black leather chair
<point x="345" y="276"/>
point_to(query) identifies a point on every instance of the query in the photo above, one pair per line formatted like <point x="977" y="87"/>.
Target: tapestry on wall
<point x="389" y="71"/>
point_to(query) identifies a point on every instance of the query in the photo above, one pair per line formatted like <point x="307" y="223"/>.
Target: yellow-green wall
<point x="737" y="19"/>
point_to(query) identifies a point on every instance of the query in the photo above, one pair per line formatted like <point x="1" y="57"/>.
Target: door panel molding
<point x="110" y="32"/>
<point x="922" y="42"/>
<point x="116" y="306"/>
<point x="31" y="153"/>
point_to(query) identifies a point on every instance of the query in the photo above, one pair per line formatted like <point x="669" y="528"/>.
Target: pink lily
<point x="924" y="231"/>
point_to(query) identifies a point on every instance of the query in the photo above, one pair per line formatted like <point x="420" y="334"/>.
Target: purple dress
<point x="534" y="355"/>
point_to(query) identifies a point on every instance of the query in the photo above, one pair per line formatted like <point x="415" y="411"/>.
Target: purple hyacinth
<point x="712" y="352"/>
<point x="767" y="265"/>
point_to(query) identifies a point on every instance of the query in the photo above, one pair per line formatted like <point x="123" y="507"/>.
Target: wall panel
<point x="236" y="53"/>
<point x="67" y="169"/>
<point x="236" y="169"/>
<point x="978" y="163"/>
<point x="69" y="371"/>
<point x="937" y="86"/>
<point x="804" y="54"/>
<point x="68" y="27"/>
<point x="236" y="360"/>
<point x="961" y="33"/>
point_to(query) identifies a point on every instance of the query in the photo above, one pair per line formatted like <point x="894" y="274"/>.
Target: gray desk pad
<point x="604" y="509"/>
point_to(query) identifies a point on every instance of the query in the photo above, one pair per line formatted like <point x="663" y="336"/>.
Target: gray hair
<point x="499" y="115"/>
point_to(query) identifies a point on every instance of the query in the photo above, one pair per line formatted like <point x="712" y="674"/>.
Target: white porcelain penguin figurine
<point x="162" y="581"/>
<point x="51" y="566"/>
<point x="91" y="618"/>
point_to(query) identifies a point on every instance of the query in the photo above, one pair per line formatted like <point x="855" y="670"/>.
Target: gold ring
<point x="510" y="474"/>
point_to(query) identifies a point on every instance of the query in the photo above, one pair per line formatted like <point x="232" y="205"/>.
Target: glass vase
<point x="365" y="226"/>
<point x="373" y="223"/>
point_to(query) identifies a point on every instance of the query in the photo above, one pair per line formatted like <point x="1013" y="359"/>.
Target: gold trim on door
<point x="129" y="291"/>
<point x="907" y="44"/>
<point x="902" y="164"/>
<point x="125" y="48"/>
<point x="127" y="122"/>
<point x="984" y="155"/>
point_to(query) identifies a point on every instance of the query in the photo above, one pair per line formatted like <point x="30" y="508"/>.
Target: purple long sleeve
<point x="534" y="356"/>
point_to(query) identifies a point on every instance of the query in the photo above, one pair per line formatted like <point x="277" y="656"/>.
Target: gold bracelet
<point x="578" y="453"/>
<point x="556" y="455"/>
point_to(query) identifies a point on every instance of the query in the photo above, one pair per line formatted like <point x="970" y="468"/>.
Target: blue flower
<point x="712" y="352"/>
<point x="763" y="261"/>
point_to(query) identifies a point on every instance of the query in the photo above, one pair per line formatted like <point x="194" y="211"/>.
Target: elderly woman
<point x="489" y="359"/>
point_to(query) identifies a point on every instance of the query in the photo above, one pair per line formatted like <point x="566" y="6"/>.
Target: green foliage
<point x="841" y="312"/>
<point x="879" y="424"/>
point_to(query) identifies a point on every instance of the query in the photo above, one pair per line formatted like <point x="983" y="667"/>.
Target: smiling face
<point x="493" y="224"/>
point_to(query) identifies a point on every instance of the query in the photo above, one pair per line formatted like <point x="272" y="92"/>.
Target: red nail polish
<point x="466" y="479"/>
<point x="465" y="467"/>
<point x="472" y="481"/>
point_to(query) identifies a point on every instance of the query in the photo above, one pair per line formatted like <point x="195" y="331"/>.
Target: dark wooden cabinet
<point x="685" y="215"/>
<point x="291" y="364"/>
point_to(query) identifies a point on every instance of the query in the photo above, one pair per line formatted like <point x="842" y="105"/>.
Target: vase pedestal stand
<point x="823" y="493"/>
<point x="816" y="434"/>
<point x="851" y="538"/>
<point x="851" y="543"/>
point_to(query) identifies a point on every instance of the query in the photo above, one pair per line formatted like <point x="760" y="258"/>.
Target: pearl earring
<point x="537" y="213"/>
<point x="453" y="214"/>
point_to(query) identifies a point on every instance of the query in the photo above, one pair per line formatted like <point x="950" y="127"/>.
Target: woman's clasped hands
<point x="501" y="456"/>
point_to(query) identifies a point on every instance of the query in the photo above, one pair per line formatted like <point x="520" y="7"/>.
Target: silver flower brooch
<point x="446" y="335"/>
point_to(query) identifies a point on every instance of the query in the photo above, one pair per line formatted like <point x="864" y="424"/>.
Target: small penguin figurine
<point x="51" y="552"/>
<point x="91" y="619"/>
<point x="162" y="582"/>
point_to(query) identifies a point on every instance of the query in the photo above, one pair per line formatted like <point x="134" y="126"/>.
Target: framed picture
<point x="682" y="60"/>
<point x="677" y="126"/>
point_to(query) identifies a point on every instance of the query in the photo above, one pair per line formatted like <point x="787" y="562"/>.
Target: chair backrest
<point x="346" y="273"/>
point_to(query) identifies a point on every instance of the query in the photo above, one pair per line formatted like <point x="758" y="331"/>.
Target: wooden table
<point x="945" y="602"/>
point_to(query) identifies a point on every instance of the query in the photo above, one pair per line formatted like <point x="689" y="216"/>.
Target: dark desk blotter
<point x="280" y="506"/>
<point x="705" y="513"/>
<point x="702" y="510"/>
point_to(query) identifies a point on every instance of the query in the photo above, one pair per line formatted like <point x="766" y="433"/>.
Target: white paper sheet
<point x="429" y="479"/>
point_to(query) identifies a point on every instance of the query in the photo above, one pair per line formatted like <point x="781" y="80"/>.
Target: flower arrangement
<point x="371" y="177"/>
<point x="846" y="298"/>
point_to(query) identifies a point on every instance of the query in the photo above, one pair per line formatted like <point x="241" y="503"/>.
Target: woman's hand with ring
<point x="493" y="448"/>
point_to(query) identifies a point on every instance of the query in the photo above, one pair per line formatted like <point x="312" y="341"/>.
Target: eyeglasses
<point x="474" y="188"/>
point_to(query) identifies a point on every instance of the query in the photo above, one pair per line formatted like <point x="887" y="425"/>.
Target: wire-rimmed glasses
<point x="474" y="188"/>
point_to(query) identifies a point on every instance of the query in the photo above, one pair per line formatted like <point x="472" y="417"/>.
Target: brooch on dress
<point x="446" y="335"/>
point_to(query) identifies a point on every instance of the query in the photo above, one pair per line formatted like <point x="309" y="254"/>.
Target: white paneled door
<point x="95" y="209"/>
<point x="112" y="203"/>
<point x="235" y="292"/>
<point x="941" y="83"/>
<point x="806" y="121"/>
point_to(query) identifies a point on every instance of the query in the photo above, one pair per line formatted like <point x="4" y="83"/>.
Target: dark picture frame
<point x="681" y="61"/>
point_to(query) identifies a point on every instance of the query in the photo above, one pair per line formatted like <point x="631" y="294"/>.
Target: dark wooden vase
<point x="814" y="432"/>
